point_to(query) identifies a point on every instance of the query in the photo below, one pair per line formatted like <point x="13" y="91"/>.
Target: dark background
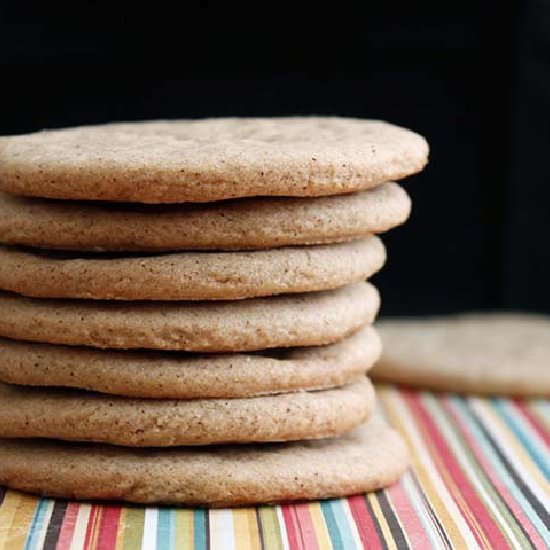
<point x="474" y="78"/>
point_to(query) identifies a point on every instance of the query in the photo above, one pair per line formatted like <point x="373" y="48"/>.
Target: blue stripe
<point x="332" y="526"/>
<point x="200" y="529"/>
<point x="37" y="526"/>
<point x="343" y="522"/>
<point x="165" y="529"/>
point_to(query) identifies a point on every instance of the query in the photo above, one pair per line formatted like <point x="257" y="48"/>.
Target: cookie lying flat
<point x="190" y="275"/>
<point x="310" y="319"/>
<point x="82" y="416"/>
<point x="505" y="354"/>
<point x="188" y="376"/>
<point x="212" y="159"/>
<point x="370" y="457"/>
<point x="241" y="224"/>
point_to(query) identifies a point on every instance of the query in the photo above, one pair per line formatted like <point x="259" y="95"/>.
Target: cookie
<point x="189" y="275"/>
<point x="83" y="416"/>
<point x="506" y="354"/>
<point x="188" y="376"/>
<point x="211" y="159"/>
<point x="239" y="224"/>
<point x="309" y="319"/>
<point x="371" y="457"/>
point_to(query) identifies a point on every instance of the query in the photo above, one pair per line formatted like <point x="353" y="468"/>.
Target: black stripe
<point x="2" y="494"/>
<point x="383" y="541"/>
<point x="54" y="525"/>
<point x="260" y="528"/>
<point x="470" y="453"/>
<point x="207" y="528"/>
<point x="539" y="509"/>
<point x="393" y="522"/>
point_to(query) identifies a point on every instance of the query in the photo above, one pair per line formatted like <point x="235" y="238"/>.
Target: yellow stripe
<point x="384" y="527"/>
<point x="79" y="534"/>
<point x="245" y="526"/>
<point x="22" y="520"/>
<point x="7" y="513"/>
<point x="320" y="526"/>
<point x="185" y="530"/>
<point x="119" y="542"/>
<point x="387" y="397"/>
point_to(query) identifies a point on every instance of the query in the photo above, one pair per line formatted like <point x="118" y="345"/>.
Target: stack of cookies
<point x="184" y="311"/>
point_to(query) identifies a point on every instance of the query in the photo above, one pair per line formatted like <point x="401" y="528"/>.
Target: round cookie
<point x="314" y="318"/>
<point x="371" y="457"/>
<point x="189" y="275"/>
<point x="241" y="224"/>
<point x="82" y="416"/>
<point x="211" y="159"/>
<point x="499" y="353"/>
<point x="180" y="376"/>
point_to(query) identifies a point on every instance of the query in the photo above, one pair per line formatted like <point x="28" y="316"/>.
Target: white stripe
<point x="79" y="533"/>
<point x="149" y="538"/>
<point x="459" y="454"/>
<point x="222" y="533"/>
<point x="351" y="524"/>
<point x="424" y="457"/>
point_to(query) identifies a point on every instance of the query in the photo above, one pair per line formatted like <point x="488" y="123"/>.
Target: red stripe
<point x="289" y="515"/>
<point x="461" y="482"/>
<point x="90" y="528"/>
<point x="307" y="529"/>
<point x="539" y="428"/>
<point x="108" y="528"/>
<point x="364" y="522"/>
<point x="67" y="528"/>
<point x="497" y="481"/>
<point x="404" y="509"/>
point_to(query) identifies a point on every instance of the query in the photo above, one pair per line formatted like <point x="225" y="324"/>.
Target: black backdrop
<point x="474" y="78"/>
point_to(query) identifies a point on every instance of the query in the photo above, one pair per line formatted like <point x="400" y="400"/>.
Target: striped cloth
<point x="480" y="479"/>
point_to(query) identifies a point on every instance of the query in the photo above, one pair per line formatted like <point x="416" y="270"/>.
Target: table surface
<point x="480" y="478"/>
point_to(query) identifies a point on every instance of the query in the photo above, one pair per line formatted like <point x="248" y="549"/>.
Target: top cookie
<point x="209" y="159"/>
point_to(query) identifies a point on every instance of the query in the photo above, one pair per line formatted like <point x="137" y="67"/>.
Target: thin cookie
<point x="189" y="376"/>
<point x="189" y="275"/>
<point x="499" y="353"/>
<point x="82" y="416"/>
<point x="211" y="159"/>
